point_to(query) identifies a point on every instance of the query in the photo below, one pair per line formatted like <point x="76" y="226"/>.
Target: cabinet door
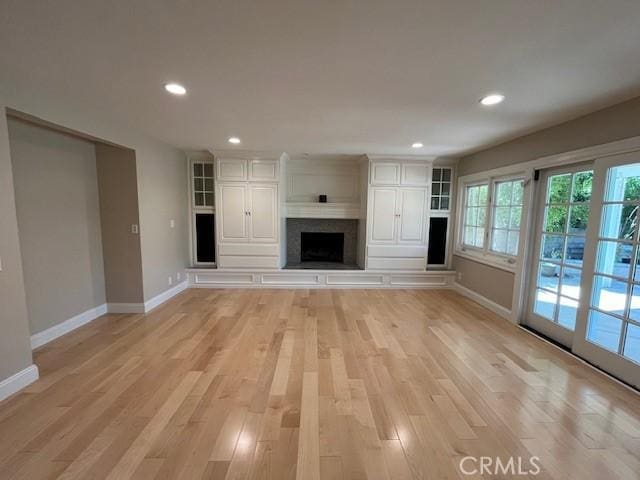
<point x="383" y="214"/>
<point x="412" y="208"/>
<point x="416" y="174"/>
<point x="231" y="170"/>
<point x="385" y="173"/>
<point x="263" y="213"/>
<point x="232" y="212"/>
<point x="264" y="170"/>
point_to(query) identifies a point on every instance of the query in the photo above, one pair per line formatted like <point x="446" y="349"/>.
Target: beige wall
<point x="57" y="204"/>
<point x="118" y="190"/>
<point x="15" y="347"/>
<point x="604" y="126"/>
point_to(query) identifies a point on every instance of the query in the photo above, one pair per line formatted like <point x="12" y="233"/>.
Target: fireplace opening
<point x="322" y="247"/>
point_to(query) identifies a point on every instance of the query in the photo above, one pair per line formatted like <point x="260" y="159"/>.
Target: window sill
<point x="494" y="261"/>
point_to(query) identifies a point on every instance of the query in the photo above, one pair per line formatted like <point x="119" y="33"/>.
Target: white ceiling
<point x="328" y="76"/>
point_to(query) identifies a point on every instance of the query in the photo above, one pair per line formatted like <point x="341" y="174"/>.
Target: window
<point x="202" y="184"/>
<point x="507" y="212"/>
<point x="475" y="215"/>
<point x="441" y="189"/>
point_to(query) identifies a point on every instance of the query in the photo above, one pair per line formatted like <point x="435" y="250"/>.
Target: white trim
<point x="18" y="381"/>
<point x="45" y="336"/>
<point x="322" y="210"/>
<point x="164" y="296"/>
<point x="125" y="307"/>
<point x="484" y="301"/>
<point x="234" y="278"/>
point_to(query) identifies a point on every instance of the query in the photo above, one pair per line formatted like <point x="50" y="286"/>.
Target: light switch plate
<point x="172" y="223"/>
<point x="134" y="228"/>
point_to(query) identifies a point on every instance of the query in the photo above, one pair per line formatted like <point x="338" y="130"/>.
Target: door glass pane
<point x="614" y="258"/>
<point x="604" y="330"/>
<point x="578" y="219"/>
<point x="545" y="304"/>
<point x="575" y="250"/>
<point x="618" y="221"/>
<point x="571" y="282"/>
<point x="609" y="294"/>
<point x="632" y="343"/>
<point x="582" y="186"/>
<point x="634" y="307"/>
<point x="556" y="219"/>
<point x="558" y="190"/>
<point x="567" y="312"/>
<point x="552" y="247"/>
<point x="548" y="276"/>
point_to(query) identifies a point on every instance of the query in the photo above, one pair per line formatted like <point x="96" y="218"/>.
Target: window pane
<point x="548" y="276"/>
<point x="479" y="237"/>
<point x="472" y="196"/>
<point x="208" y="184"/>
<point x="197" y="169"/>
<point x="559" y="188"/>
<point x="552" y="247"/>
<point x="516" y="216"/>
<point x="469" y="235"/>
<point x="199" y="197"/>
<point x="198" y="184"/>
<point x="502" y="217"/>
<point x="634" y="308"/>
<point x="518" y="191"/>
<point x="575" y="250"/>
<point x="499" y="241"/>
<point x="435" y="203"/>
<point x="446" y="188"/>
<point x="632" y="343"/>
<point x="483" y="194"/>
<point x="208" y="170"/>
<point x="556" y="219"/>
<point x="618" y="221"/>
<point x="567" y="312"/>
<point x="208" y="199"/>
<point x="571" y="282"/>
<point x="604" y="330"/>
<point x="436" y="175"/>
<point x="444" y="203"/>
<point x="582" y="186"/>
<point x="545" y="304"/>
<point x="512" y="242"/>
<point x="578" y="218"/>
<point x="503" y="193"/>
<point x="482" y="216"/>
<point x="446" y="174"/>
<point x="472" y="216"/>
<point x="609" y="295"/>
<point x="436" y="189"/>
<point x="614" y="258"/>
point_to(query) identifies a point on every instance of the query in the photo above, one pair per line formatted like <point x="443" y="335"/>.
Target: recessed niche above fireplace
<point x="315" y="243"/>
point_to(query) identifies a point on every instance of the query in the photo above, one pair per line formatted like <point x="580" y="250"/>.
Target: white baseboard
<point x="164" y="296"/>
<point x="18" y="381"/>
<point x="125" y="307"/>
<point x="40" y="338"/>
<point x="484" y="301"/>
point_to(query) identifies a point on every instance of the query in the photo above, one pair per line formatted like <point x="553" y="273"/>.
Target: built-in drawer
<point x="256" y="262"/>
<point x="249" y="249"/>
<point x="395" y="263"/>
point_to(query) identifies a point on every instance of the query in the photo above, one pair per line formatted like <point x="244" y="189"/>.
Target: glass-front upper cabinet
<point x="441" y="188"/>
<point x="202" y="184"/>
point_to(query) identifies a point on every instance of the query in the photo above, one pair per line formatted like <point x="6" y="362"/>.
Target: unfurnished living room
<point x="298" y="239"/>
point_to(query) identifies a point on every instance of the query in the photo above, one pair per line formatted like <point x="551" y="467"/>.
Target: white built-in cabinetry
<point x="248" y="219"/>
<point x="397" y="214"/>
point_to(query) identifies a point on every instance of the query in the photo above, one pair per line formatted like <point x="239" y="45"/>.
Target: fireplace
<point x="322" y="247"/>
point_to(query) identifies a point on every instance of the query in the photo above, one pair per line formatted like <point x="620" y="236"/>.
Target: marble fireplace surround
<point x="295" y="226"/>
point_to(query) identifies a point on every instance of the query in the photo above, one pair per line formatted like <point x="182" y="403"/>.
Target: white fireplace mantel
<point x="322" y="210"/>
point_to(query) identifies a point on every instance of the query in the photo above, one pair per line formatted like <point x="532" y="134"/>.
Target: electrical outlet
<point x="134" y="228"/>
<point x="170" y="280"/>
<point x="172" y="223"/>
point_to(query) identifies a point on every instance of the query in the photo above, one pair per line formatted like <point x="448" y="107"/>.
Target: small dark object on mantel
<point x="322" y="198"/>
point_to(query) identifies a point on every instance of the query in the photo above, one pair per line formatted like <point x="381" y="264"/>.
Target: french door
<point x="585" y="284"/>
<point x="564" y="198"/>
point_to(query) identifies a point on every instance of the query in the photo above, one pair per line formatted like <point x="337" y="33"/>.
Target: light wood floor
<point x="315" y="384"/>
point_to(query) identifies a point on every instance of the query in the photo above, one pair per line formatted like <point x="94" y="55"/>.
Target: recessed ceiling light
<point x="417" y="145"/>
<point x="175" y="88"/>
<point x="492" y="99"/>
<point x="234" y="140"/>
